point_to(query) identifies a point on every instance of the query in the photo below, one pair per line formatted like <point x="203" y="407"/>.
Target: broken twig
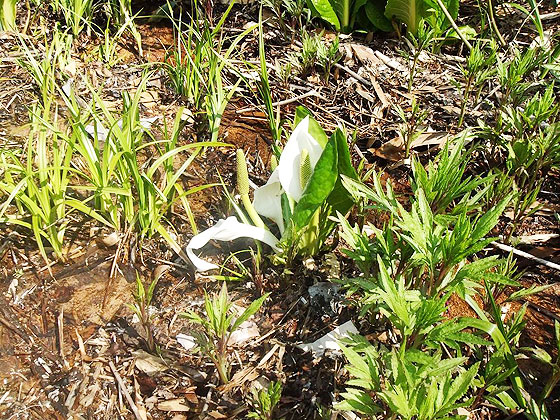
<point x="524" y="254"/>
<point x="124" y="391"/>
<point x="312" y="92"/>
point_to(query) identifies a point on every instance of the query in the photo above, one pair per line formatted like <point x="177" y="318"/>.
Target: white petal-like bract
<point x="268" y="200"/>
<point x="227" y="230"/>
<point x="290" y="160"/>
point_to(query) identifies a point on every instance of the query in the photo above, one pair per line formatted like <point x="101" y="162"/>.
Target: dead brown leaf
<point x="394" y="149"/>
<point x="177" y="404"/>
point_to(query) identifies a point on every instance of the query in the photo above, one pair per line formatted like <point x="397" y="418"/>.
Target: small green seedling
<point x="264" y="401"/>
<point x="218" y="325"/>
<point x="141" y="305"/>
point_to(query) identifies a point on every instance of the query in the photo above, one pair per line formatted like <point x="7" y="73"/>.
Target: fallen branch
<point x="312" y="92"/>
<point x="524" y="254"/>
<point x="353" y="74"/>
<point x="124" y="391"/>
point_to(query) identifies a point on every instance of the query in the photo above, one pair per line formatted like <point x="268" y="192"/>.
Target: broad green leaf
<point x="8" y="15"/>
<point x="325" y="11"/>
<point x="375" y="14"/>
<point x="407" y="11"/>
<point x="340" y="199"/>
<point x="343" y="9"/>
<point x="319" y="187"/>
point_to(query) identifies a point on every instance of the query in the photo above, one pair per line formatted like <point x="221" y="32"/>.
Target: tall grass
<point x="133" y="182"/>
<point x="37" y="181"/>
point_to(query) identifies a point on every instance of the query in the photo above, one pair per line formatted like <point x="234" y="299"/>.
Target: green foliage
<point x="107" y="50"/>
<point x="141" y="307"/>
<point x="119" y="16"/>
<point x="411" y="122"/>
<point x="428" y="248"/>
<point x="410" y="12"/>
<point x="192" y="63"/>
<point x="186" y="63"/>
<point x="218" y="325"/>
<point x="195" y="66"/>
<point x="265" y="93"/>
<point x="479" y="68"/>
<point x="43" y="68"/>
<point x="425" y="252"/>
<point x="444" y="183"/>
<point x="347" y="15"/>
<point x="316" y="52"/>
<point x="504" y="367"/>
<point x="289" y="13"/>
<point x="78" y="14"/>
<point x="514" y="75"/>
<point x="8" y="15"/>
<point x="547" y="359"/>
<point x="122" y="190"/>
<point x="264" y="401"/>
<point x="405" y="383"/>
<point x="308" y="224"/>
<point x="526" y="131"/>
<point x="38" y="183"/>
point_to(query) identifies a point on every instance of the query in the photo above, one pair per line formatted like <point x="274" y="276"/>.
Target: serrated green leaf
<point x="489" y="220"/>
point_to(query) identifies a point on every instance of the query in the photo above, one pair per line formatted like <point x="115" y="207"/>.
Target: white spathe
<point x="227" y="230"/>
<point x="286" y="177"/>
<point x="290" y="160"/>
<point x="267" y="199"/>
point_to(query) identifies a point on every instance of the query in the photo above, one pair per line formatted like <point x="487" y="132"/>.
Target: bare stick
<point x="312" y="92"/>
<point x="60" y="327"/>
<point x="353" y="74"/>
<point x="453" y="24"/>
<point x="524" y="254"/>
<point x="124" y="391"/>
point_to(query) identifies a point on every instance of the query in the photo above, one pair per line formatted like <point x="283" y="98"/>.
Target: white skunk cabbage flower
<point x="290" y="160"/>
<point x="227" y="230"/>
<point x="268" y="200"/>
<point x="286" y="178"/>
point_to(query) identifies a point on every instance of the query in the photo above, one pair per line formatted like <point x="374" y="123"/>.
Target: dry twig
<point x="124" y="391"/>
<point x="524" y="254"/>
